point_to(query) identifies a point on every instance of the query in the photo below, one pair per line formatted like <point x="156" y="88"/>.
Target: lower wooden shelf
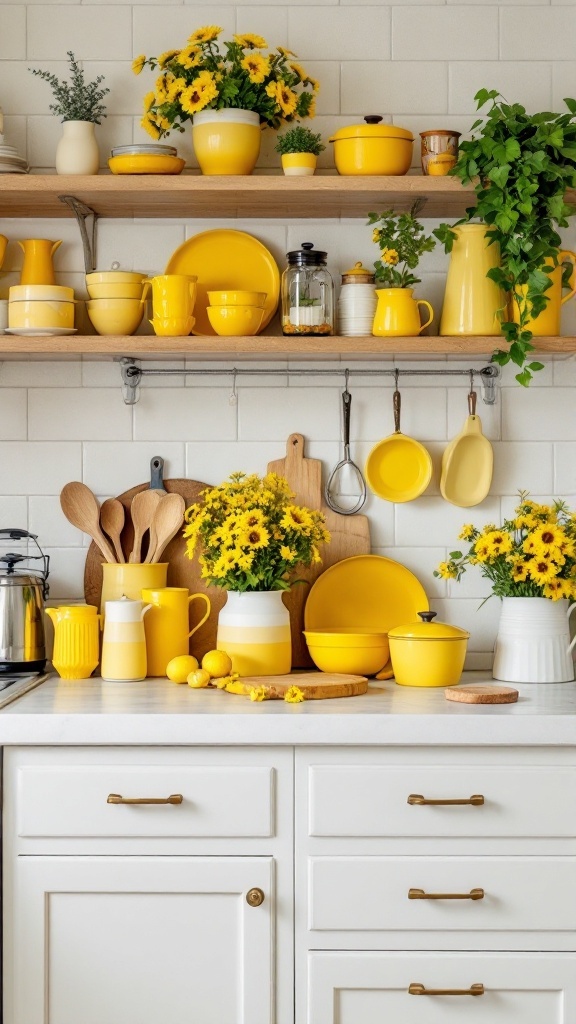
<point x="151" y="347"/>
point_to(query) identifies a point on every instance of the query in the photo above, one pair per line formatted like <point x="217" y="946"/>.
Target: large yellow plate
<point x="225" y="260"/>
<point x="369" y="593"/>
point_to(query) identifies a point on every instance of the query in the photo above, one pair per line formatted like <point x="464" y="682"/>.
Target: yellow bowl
<point x="235" y="321"/>
<point x="348" y="651"/>
<point x="143" y="163"/>
<point x="237" y="298"/>
<point x="115" y="316"/>
<point x="115" y="291"/>
<point x="41" y="313"/>
<point x="114" y="277"/>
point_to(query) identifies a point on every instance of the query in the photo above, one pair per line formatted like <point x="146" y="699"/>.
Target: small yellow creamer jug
<point x="76" y="640"/>
<point x="124" y="642"/>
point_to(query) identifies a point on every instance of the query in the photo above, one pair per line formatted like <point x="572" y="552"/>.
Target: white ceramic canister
<point x="357" y="302"/>
<point x="254" y="629"/>
<point x="533" y="642"/>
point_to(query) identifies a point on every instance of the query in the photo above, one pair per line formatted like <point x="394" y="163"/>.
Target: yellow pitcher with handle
<point x="548" y="322"/>
<point x="38" y="267"/>
<point x="76" y="640"/>
<point x="397" y="314"/>
<point x="166" y="625"/>
<point x="472" y="300"/>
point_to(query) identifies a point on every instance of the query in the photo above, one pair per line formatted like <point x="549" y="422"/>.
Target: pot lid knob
<point x="373" y="118"/>
<point x="427" y="616"/>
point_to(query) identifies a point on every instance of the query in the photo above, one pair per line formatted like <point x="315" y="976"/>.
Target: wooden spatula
<point x="112" y="522"/>
<point x="82" y="509"/>
<point x="168" y="519"/>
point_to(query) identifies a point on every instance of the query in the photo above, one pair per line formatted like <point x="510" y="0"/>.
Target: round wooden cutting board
<point x="182" y="571"/>
<point x="314" y="685"/>
<point x="482" y="694"/>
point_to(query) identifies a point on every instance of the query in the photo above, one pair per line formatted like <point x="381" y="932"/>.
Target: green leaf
<point x="524" y="378"/>
<point x="535" y="366"/>
<point x="571" y="104"/>
<point x="455" y="554"/>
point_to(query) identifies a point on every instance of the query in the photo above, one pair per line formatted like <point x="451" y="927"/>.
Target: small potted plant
<point x="79" y="105"/>
<point x="402" y="241"/>
<point x="299" y="148"/>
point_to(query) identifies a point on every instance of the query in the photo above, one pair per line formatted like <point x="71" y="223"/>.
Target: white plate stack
<point x="10" y="162"/>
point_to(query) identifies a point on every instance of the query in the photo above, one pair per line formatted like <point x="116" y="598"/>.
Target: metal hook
<point x="233" y="396"/>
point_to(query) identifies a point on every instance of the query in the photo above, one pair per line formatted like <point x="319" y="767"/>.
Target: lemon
<point x="217" y="663"/>
<point x="198" y="679"/>
<point x="180" y="668"/>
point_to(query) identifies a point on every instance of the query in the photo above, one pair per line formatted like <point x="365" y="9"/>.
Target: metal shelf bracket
<point x="82" y="214"/>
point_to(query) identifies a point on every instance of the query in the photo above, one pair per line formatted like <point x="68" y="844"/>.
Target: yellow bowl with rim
<point x="237" y="298"/>
<point x="115" y="316"/>
<point x="347" y="650"/>
<point x="235" y="321"/>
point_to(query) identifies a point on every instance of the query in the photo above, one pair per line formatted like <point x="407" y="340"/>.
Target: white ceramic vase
<point x="77" y="150"/>
<point x="533" y="642"/>
<point x="254" y="629"/>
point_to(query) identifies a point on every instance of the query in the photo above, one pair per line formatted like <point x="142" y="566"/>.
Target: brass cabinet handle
<point x="415" y="798"/>
<point x="115" y="798"/>
<point x="419" y="894"/>
<point x="255" y="897"/>
<point x="415" y="989"/>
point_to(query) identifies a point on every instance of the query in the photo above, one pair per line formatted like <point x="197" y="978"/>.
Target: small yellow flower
<point x="294" y="695"/>
<point x="205" y="35"/>
<point x="499" y="542"/>
<point x="248" y="41"/>
<point x="467" y="532"/>
<point x="482" y="550"/>
<point x="166" y="57"/>
<point x="284" y="52"/>
<point x="519" y="570"/>
<point x="296" y="518"/>
<point x="256" y="67"/>
<point x="447" y="570"/>
<point x="548" y="536"/>
<point x="287" y="99"/>
<point x="557" y="589"/>
<point x="258" y="693"/>
<point x="390" y="256"/>
<point x="149" y="125"/>
<point x="256" y="537"/>
<point x="138" y="64"/>
<point x="190" y="57"/>
<point x="376" y="236"/>
<point x="149" y="101"/>
<point x="298" y="70"/>
<point x="287" y="553"/>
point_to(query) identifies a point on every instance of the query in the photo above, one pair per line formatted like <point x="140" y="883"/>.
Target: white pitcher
<point x="124" y="641"/>
<point x="533" y="643"/>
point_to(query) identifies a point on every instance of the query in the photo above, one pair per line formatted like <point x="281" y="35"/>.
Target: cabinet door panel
<point x="348" y="988"/>
<point x="141" y="940"/>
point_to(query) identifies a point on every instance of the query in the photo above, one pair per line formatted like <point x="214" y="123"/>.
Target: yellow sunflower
<point x="548" y="535"/>
<point x="499" y="542"/>
<point x="482" y="550"/>
<point x="255" y="537"/>
<point x="256" y="67"/>
<point x="166" y="57"/>
<point x="149" y="125"/>
<point x="296" y="518"/>
<point x="376" y="236"/>
<point x="198" y="95"/>
<point x="519" y="570"/>
<point x="149" y="101"/>
<point x="248" y="41"/>
<point x="285" y="53"/>
<point x="467" y="532"/>
<point x="557" y="589"/>
<point x="298" y="70"/>
<point x="390" y="256"/>
<point x="287" y="100"/>
<point x="138" y="64"/>
<point x="205" y="35"/>
<point x="541" y="570"/>
<point x="190" y="57"/>
<point x="287" y="553"/>
<point x="447" y="570"/>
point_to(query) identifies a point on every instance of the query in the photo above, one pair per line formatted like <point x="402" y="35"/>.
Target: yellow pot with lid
<point x="428" y="653"/>
<point x="372" y="148"/>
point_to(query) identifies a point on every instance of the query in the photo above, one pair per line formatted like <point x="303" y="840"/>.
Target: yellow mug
<point x="166" y="625"/>
<point x="173" y="295"/>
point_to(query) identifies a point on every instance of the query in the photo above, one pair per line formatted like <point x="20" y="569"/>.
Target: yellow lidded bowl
<point x="347" y="650"/>
<point x="372" y="148"/>
<point x="428" y="653"/>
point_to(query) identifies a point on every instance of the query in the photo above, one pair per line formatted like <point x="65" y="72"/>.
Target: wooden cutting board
<point x="314" y="685"/>
<point x="350" y="535"/>
<point x="182" y="571"/>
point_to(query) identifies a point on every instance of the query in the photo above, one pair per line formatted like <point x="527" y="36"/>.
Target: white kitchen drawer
<point x="72" y="801"/>
<point x="365" y="902"/>
<point x="373" y="988"/>
<point x="372" y="800"/>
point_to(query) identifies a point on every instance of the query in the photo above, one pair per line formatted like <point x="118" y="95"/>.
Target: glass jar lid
<point x="307" y="256"/>
<point x="358" y="275"/>
<point x="428" y="630"/>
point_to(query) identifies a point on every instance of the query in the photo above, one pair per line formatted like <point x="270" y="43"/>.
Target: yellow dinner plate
<point x="227" y="260"/>
<point x="146" y="163"/>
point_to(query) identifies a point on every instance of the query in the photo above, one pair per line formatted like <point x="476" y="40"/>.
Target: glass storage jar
<point x="307" y="293"/>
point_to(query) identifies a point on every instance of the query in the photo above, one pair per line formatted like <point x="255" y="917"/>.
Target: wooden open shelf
<point x="151" y="347"/>
<point x="189" y="195"/>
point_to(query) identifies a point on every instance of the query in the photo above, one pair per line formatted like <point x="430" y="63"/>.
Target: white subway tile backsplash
<point x="110" y="468"/>
<point x="214" y="461"/>
<point x="140" y="247"/>
<point x="524" y="466"/>
<point x="529" y="83"/>
<point x="397" y="87"/>
<point x="481" y="620"/>
<point x="46" y="518"/>
<point x="66" y="573"/>
<point x="78" y="414"/>
<point x="180" y="414"/>
<point x="14" y="513"/>
<point x="439" y="32"/>
<point x="564" y="470"/>
<point x="13" y="414"/>
<point x="277" y="412"/>
<point x="157" y="28"/>
<point x="537" y="33"/>
<point x="92" y="33"/>
<point x="541" y="414"/>
<point x="438" y="522"/>
<point x="339" y="34"/>
<point x="422" y="562"/>
<point x="39" y="467"/>
<point x="39" y="374"/>
<point x="13" y="34"/>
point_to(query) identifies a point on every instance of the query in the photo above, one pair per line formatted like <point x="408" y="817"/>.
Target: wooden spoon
<point x="82" y="509"/>
<point x="112" y="522"/>
<point x="167" y="521"/>
<point x="142" y="510"/>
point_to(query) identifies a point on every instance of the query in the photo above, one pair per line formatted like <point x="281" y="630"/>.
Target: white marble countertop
<point x="158" y="712"/>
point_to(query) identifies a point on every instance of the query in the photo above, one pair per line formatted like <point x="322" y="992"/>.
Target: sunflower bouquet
<point x="402" y="241"/>
<point x="207" y="75"/>
<point x="252" y="534"/>
<point x="531" y="555"/>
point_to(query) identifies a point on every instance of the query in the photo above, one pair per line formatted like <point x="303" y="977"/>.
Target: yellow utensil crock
<point x="76" y="640"/>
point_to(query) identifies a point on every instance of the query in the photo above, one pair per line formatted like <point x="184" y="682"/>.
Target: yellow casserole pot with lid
<point x="372" y="148"/>
<point x="428" y="653"/>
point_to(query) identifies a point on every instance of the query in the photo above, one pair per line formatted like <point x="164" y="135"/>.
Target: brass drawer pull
<point x="415" y="989"/>
<point x="419" y="894"/>
<point x="255" y="897"/>
<point x="115" y="798"/>
<point x="477" y="800"/>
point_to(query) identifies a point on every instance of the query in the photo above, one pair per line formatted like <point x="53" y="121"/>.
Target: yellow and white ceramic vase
<point x="254" y="629"/>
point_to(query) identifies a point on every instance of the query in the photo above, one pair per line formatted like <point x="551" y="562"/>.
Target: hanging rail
<point x="132" y="374"/>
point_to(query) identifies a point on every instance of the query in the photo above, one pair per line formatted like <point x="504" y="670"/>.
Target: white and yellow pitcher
<point x="124" y="643"/>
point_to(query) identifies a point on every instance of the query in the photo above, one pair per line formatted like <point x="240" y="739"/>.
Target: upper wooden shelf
<point x="151" y="347"/>
<point x="136" y="195"/>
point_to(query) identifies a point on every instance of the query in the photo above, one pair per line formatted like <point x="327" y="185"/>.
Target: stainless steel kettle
<point x="22" y="595"/>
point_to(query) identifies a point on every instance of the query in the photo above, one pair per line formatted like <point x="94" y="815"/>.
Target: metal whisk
<point x="346" y="465"/>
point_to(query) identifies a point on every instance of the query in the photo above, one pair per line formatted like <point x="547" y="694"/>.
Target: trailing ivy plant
<point x="520" y="165"/>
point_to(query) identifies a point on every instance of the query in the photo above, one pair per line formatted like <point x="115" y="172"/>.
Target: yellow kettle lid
<point x="372" y="129"/>
<point x="428" y="630"/>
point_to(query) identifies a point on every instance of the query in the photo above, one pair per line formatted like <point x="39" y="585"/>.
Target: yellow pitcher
<point x="472" y="300"/>
<point x="124" y="643"/>
<point x="166" y="625"/>
<point x="397" y="314"/>
<point x="548" y="321"/>
<point x="38" y="267"/>
<point x="173" y="295"/>
<point x="76" y="640"/>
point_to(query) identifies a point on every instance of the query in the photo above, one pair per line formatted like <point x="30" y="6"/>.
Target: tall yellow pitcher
<point x="548" y="322"/>
<point x="472" y="300"/>
<point x="76" y="640"/>
<point x="38" y="267"/>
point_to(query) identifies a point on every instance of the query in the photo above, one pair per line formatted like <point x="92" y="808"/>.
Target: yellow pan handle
<point x="204" y="597"/>
<point x="422" y="302"/>
<point x="568" y="256"/>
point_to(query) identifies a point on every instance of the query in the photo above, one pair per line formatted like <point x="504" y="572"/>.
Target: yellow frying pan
<point x="398" y="468"/>
<point x="467" y="463"/>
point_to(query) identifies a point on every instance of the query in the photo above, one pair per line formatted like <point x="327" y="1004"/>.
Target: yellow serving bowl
<point x="115" y="277"/>
<point x="41" y="313"/>
<point x="235" y="321"/>
<point x="115" y="316"/>
<point x="144" y="163"/>
<point x="237" y="298"/>
<point x="347" y="651"/>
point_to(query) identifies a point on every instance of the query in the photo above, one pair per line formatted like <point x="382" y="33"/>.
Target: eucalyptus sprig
<point x="402" y="241"/>
<point x="77" y="100"/>
<point x="521" y="166"/>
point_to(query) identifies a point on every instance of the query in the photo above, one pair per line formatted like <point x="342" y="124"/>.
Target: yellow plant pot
<point x="548" y="322"/>
<point x="397" y="314"/>
<point x="226" y="141"/>
<point x="299" y="164"/>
